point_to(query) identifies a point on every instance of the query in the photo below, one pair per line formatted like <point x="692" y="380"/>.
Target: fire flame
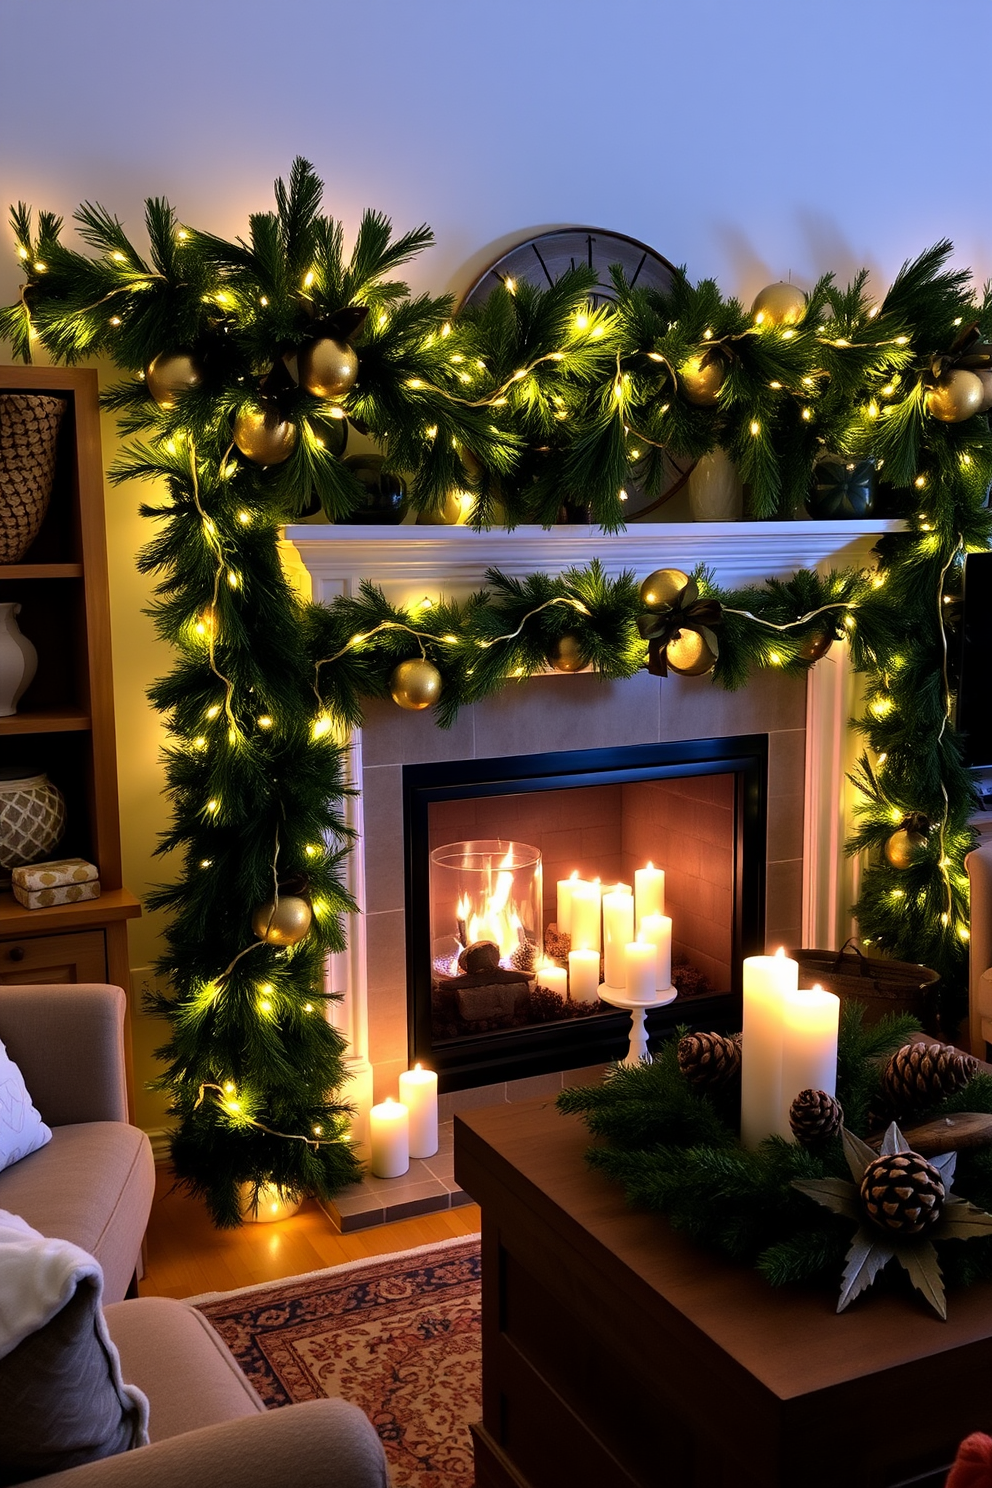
<point x="495" y="919"/>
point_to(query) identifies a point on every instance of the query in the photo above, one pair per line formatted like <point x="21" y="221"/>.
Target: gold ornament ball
<point x="779" y="304"/>
<point x="956" y="397"/>
<point x="905" y="848"/>
<point x="326" y="367"/>
<point x="701" y="379"/>
<point x="567" y="654"/>
<point x="816" y="645"/>
<point x="984" y="376"/>
<point x="282" y="923"/>
<point x="663" y="587"/>
<point x="689" y="655"/>
<point x="457" y="505"/>
<point x="171" y="374"/>
<point x="264" y="435"/>
<point x="415" y="684"/>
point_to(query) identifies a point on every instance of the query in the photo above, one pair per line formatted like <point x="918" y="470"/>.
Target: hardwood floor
<point x="186" y="1255"/>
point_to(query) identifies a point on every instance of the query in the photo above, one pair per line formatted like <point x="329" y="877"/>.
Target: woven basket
<point x="32" y="819"/>
<point x="881" y="986"/>
<point x="29" y="426"/>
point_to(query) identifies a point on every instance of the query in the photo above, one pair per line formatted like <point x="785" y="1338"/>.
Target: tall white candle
<point x="767" y="979"/>
<point x="583" y="976"/>
<point x="418" y="1092"/>
<point x="618" y="929"/>
<point x="389" y="1139"/>
<point x="649" y="892"/>
<point x="657" y="928"/>
<point x="641" y="970"/>
<point x="585" y="916"/>
<point x="809" y="1046"/>
<point x="617" y="888"/>
<point x="555" y="978"/>
<point x="564" y="903"/>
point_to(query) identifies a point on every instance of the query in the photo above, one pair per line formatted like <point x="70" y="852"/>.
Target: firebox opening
<point x="489" y="844"/>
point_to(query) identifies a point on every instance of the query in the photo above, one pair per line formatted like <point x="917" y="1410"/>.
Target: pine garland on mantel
<point x="245" y="363"/>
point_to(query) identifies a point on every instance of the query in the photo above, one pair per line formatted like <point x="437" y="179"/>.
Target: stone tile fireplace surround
<point x="809" y="883"/>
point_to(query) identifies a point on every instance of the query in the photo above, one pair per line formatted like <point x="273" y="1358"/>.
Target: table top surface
<point x="790" y="1338"/>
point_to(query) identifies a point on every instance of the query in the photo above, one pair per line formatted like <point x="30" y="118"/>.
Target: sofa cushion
<point x="21" y="1128"/>
<point x="65" y="1402"/>
<point x="92" y="1184"/>
<point x="181" y="1363"/>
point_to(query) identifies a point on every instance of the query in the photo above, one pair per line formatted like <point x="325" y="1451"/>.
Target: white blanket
<point x="37" y="1278"/>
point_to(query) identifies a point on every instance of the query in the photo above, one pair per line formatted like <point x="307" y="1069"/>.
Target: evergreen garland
<point x="531" y="402"/>
<point x="676" y="1151"/>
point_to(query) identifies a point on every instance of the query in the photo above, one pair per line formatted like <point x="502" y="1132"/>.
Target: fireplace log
<point x="502" y="999"/>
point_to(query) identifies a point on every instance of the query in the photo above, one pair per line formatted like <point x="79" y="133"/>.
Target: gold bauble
<point x="779" y="304"/>
<point x="567" y="654"/>
<point x="905" y="848"/>
<point x="171" y="374"/>
<point x="457" y="505"/>
<point x="816" y="645"/>
<point x="956" y="396"/>
<point x="282" y="923"/>
<point x="264" y="435"/>
<point x="326" y="367"/>
<point x="701" y="379"/>
<point x="415" y="684"/>
<point x="689" y="654"/>
<point x="984" y="375"/>
<point x="663" y="587"/>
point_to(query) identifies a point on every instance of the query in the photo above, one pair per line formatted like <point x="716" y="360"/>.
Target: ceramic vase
<point x="715" y="490"/>
<point x="29" y="427"/>
<point x="18" y="659"/>
<point x="32" y="818"/>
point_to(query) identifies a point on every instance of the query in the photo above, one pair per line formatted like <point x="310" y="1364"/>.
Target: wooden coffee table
<point x="618" y="1354"/>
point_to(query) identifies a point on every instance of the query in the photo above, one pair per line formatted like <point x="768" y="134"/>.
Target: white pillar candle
<point x="617" y="888"/>
<point x="649" y="892"/>
<point x="583" y="976"/>
<point x="767" y="979"/>
<point x="809" y="1046"/>
<point x="418" y="1092"/>
<point x="618" y="929"/>
<point x="555" y="978"/>
<point x="640" y="970"/>
<point x="564" y="905"/>
<point x="585" y="916"/>
<point x="657" y="928"/>
<point x="389" y="1139"/>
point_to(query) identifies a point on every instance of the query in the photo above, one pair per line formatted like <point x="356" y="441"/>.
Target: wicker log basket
<point x="880" y="985"/>
<point x="29" y="426"/>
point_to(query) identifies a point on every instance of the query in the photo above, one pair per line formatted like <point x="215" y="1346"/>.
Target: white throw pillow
<point x="21" y="1128"/>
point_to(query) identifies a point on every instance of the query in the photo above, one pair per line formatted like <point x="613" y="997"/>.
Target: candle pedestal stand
<point x="638" y="1009"/>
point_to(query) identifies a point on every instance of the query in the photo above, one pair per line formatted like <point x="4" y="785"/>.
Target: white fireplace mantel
<point x="410" y="563"/>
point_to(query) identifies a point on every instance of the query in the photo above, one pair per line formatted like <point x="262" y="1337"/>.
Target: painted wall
<point x="746" y="141"/>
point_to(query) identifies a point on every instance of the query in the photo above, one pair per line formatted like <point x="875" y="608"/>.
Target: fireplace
<point x="810" y="884"/>
<point x="491" y="847"/>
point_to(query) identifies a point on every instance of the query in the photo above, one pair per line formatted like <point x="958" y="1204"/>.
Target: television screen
<point x="973" y="718"/>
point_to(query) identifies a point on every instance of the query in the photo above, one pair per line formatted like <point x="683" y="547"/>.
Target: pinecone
<point x="921" y="1074"/>
<point x="903" y="1194"/>
<point x="815" y="1117"/>
<point x="710" y="1061"/>
<point x="524" y="957"/>
<point x="557" y="945"/>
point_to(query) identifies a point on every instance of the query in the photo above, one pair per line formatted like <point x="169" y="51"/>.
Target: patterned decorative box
<point x="36" y="876"/>
<point x="70" y="893"/>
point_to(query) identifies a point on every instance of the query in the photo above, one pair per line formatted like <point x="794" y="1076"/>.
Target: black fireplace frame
<point x="539" y="1049"/>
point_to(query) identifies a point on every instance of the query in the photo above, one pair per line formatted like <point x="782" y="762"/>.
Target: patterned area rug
<point x="398" y="1336"/>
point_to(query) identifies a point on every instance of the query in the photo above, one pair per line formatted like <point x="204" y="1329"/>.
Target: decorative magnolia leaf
<point x="865" y="1259"/>
<point x="962" y="1220"/>
<point x="858" y="1154"/>
<point x="945" y="1163"/>
<point x="920" y="1263"/>
<point x="833" y="1193"/>
<point x="709" y="636"/>
<point x="892" y="1143"/>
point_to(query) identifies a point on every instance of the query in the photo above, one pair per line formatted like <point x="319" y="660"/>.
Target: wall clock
<point x="543" y="258"/>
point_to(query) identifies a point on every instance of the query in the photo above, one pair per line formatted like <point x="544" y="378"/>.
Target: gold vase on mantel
<point x="715" y="490"/>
